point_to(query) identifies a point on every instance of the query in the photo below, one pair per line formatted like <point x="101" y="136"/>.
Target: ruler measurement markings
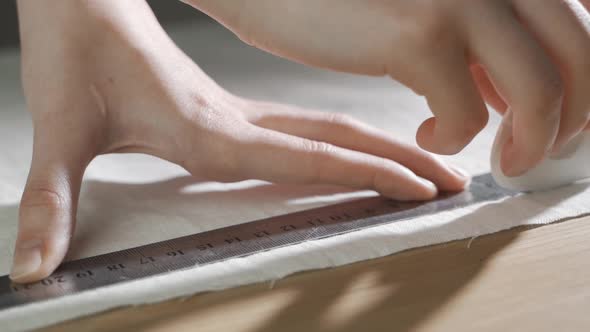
<point x="236" y="241"/>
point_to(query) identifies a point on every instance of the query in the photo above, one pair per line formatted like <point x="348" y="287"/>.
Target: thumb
<point x="48" y="207"/>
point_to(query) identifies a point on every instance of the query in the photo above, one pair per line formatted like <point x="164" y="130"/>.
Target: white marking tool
<point x="571" y="165"/>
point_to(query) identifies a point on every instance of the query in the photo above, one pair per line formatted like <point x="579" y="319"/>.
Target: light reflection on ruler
<point x="237" y="241"/>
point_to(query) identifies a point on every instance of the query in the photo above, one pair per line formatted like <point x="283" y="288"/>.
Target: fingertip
<point x="428" y="190"/>
<point x="402" y="184"/>
<point x="38" y="274"/>
<point x="27" y="261"/>
<point x="47" y="208"/>
<point x="420" y="190"/>
<point x="424" y="135"/>
<point x="514" y="161"/>
<point x="448" y="177"/>
<point x="430" y="166"/>
<point x="43" y="239"/>
<point x="36" y="259"/>
<point x="460" y="179"/>
<point x="429" y="139"/>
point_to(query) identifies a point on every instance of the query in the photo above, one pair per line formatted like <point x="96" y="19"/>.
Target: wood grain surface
<point x="518" y="280"/>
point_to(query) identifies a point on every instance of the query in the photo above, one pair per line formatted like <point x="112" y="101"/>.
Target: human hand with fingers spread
<point x="530" y="56"/>
<point x="103" y="77"/>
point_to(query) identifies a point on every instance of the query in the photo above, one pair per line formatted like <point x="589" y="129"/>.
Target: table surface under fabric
<point x="524" y="279"/>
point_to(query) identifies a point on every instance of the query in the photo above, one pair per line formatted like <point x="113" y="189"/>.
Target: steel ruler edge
<point x="237" y="241"/>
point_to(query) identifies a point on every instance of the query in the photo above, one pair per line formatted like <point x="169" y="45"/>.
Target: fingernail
<point x="431" y="186"/>
<point x="459" y="171"/>
<point x="517" y="167"/>
<point x="27" y="259"/>
<point x="463" y="174"/>
<point x="517" y="164"/>
<point x="566" y="148"/>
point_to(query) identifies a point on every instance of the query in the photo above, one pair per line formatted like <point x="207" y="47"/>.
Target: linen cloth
<point x="132" y="200"/>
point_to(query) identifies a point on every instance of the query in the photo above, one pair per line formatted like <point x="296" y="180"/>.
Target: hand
<point x="531" y="56"/>
<point x="103" y="77"/>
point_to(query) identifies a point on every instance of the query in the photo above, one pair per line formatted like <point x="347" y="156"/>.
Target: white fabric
<point x="131" y="200"/>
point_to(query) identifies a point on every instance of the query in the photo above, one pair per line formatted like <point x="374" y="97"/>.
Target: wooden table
<point x="525" y="279"/>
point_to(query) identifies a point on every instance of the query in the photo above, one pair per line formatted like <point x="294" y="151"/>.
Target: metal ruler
<point x="236" y="241"/>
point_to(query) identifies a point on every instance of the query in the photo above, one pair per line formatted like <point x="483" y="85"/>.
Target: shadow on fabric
<point x="412" y="287"/>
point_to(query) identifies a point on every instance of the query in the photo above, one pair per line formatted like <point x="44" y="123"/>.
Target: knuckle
<point x="42" y="202"/>
<point x="213" y="148"/>
<point x="431" y="32"/>
<point x="317" y="147"/>
<point x="341" y="119"/>
<point x="219" y="161"/>
<point x="39" y="196"/>
<point x="381" y="165"/>
<point x="318" y="151"/>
